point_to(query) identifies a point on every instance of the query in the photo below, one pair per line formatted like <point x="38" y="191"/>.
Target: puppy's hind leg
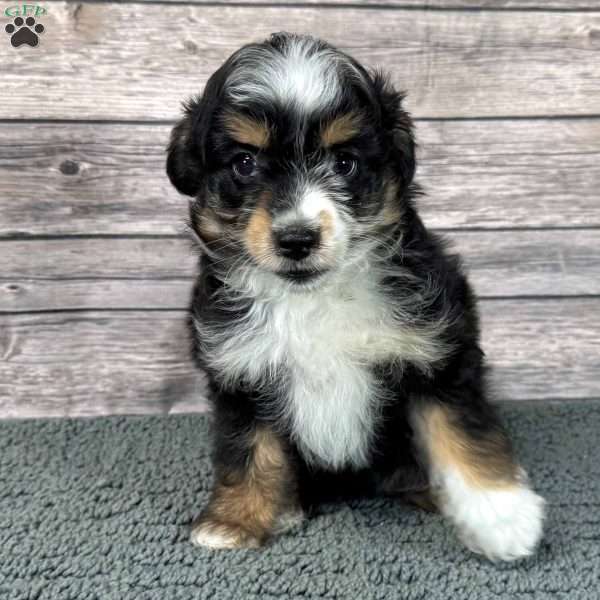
<point x="477" y="483"/>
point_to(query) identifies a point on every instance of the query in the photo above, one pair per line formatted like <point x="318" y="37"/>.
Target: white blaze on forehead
<point x="313" y="202"/>
<point x="300" y="74"/>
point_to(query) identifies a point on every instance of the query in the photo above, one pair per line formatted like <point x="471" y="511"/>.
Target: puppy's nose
<point x="297" y="243"/>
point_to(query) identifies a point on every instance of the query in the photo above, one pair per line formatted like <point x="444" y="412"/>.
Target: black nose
<point x="297" y="242"/>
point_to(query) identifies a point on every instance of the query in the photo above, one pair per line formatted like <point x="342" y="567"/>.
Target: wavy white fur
<point x="321" y="345"/>
<point x="300" y="75"/>
<point x="503" y="524"/>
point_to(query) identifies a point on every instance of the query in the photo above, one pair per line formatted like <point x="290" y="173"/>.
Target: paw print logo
<point x="24" y="32"/>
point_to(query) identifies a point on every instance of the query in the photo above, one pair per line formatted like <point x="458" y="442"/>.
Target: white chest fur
<point x="325" y="342"/>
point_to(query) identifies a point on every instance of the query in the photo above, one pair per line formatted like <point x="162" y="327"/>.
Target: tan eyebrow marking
<point x="247" y="130"/>
<point x="341" y="129"/>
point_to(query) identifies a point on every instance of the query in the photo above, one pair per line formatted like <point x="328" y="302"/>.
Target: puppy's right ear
<point x="184" y="158"/>
<point x="187" y="151"/>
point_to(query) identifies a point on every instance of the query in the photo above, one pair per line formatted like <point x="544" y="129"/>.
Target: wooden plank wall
<point x="94" y="269"/>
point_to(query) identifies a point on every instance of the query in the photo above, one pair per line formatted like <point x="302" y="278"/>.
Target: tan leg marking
<point x="484" y="463"/>
<point x="480" y="487"/>
<point x="245" y="506"/>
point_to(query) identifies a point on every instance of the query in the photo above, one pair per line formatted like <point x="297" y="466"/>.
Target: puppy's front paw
<point x="216" y="535"/>
<point x="502" y="524"/>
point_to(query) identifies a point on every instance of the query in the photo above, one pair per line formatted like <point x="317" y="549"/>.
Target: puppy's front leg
<point x="478" y="484"/>
<point x="254" y="494"/>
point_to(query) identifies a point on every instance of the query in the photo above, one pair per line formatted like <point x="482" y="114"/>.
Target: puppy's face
<point x="298" y="160"/>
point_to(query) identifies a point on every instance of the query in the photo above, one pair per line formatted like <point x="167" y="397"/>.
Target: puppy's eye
<point x="243" y="165"/>
<point x="345" y="164"/>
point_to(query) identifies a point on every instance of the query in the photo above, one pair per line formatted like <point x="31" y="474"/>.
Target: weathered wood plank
<point x="72" y="364"/>
<point x="543" y="349"/>
<point x="510" y="173"/>
<point x="86" y="179"/>
<point x="457" y="63"/>
<point x="530" y="263"/>
<point x="157" y="273"/>
<point x="68" y="364"/>
<point x="22" y="295"/>
<point x="484" y="174"/>
<point x="426" y="4"/>
<point x="93" y="259"/>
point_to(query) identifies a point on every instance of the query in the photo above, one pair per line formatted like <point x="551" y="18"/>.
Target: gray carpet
<point x="98" y="509"/>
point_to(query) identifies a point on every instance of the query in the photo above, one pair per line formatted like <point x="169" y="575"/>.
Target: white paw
<point x="503" y="524"/>
<point x="221" y="536"/>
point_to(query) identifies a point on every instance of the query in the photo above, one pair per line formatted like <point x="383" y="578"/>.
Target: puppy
<point x="341" y="341"/>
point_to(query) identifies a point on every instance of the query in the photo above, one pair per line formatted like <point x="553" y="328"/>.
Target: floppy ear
<point x="184" y="159"/>
<point x="398" y="126"/>
<point x="187" y="152"/>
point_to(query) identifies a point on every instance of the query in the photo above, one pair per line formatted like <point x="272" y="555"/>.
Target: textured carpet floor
<point x="99" y="509"/>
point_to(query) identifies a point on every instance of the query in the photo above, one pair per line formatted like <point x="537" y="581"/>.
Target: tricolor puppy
<point x="340" y="339"/>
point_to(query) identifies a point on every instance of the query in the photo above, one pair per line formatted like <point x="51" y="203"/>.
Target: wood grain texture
<point x="501" y="173"/>
<point x="71" y="364"/>
<point x="425" y="4"/>
<point x="96" y="274"/>
<point x="98" y="259"/>
<point x="531" y="263"/>
<point x="95" y="325"/>
<point x="86" y="179"/>
<point x="69" y="274"/>
<point x="482" y="174"/>
<point x="74" y="364"/>
<point x="541" y="349"/>
<point x="138" y="61"/>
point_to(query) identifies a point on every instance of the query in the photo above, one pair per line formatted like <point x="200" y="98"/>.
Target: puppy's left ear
<point x="398" y="125"/>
